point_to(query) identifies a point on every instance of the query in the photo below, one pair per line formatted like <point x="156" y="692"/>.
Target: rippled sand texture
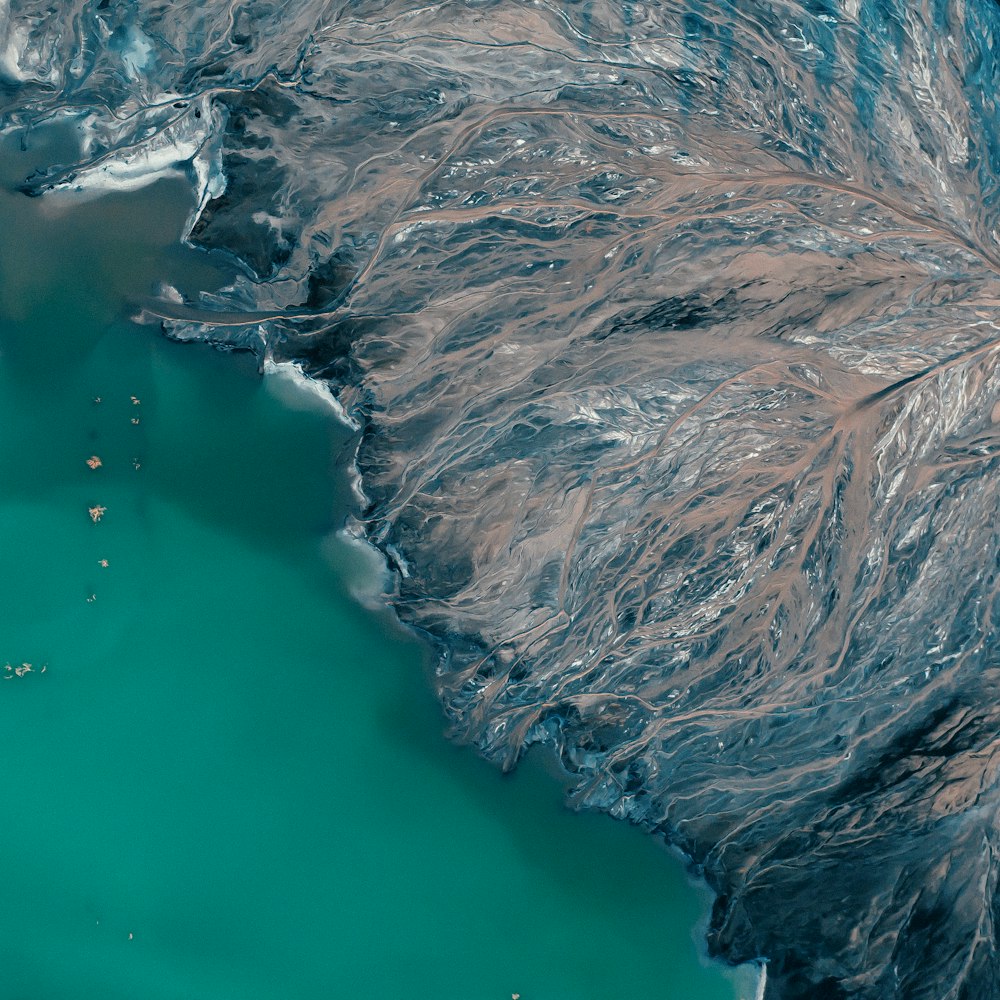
<point x="674" y="329"/>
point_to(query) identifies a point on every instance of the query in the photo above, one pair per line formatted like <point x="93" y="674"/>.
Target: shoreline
<point x="381" y="554"/>
<point x="675" y="413"/>
<point x="383" y="567"/>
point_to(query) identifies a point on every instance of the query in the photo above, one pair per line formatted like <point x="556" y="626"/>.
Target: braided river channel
<point x="225" y="775"/>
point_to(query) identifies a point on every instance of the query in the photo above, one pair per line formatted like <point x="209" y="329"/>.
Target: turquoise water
<point x="223" y="777"/>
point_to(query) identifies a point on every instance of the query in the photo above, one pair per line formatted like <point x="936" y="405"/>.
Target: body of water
<point x="223" y="777"/>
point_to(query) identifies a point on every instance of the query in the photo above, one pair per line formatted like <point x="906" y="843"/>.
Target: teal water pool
<point x="224" y="777"/>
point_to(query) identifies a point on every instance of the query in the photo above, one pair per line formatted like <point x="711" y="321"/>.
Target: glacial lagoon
<point x="225" y="776"/>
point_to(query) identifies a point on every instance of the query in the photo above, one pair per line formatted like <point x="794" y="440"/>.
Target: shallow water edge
<point x="172" y="505"/>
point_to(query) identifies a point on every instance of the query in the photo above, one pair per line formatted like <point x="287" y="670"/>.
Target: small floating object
<point x="45" y="667"/>
<point x="96" y="513"/>
<point x="97" y="399"/>
<point x="130" y="935"/>
<point x="94" y="462"/>
<point x="7" y="666"/>
<point x="135" y="420"/>
<point x="102" y="562"/>
<point x="135" y="400"/>
<point x="24" y="668"/>
<point x="136" y="464"/>
<point x="92" y="598"/>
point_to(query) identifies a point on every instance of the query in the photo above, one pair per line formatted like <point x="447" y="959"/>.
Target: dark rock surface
<point x="673" y="327"/>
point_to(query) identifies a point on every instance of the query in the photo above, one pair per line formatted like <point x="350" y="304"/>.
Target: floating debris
<point x="103" y="563"/>
<point x="135" y="420"/>
<point x="94" y="462"/>
<point x="97" y="399"/>
<point x="136" y="464"/>
<point x="24" y="668"/>
<point x="92" y="598"/>
<point x="96" y="513"/>
<point x="135" y="400"/>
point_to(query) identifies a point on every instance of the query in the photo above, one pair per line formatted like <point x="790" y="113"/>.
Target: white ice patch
<point x="210" y="178"/>
<point x="131" y="169"/>
<point x="17" y="61"/>
<point x="358" y="484"/>
<point x="14" y="44"/>
<point x="368" y="577"/>
<point x="169" y="293"/>
<point x="169" y="152"/>
<point x="749" y="980"/>
<point x="762" y="982"/>
<point x="299" y="391"/>
<point x="137" y="52"/>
